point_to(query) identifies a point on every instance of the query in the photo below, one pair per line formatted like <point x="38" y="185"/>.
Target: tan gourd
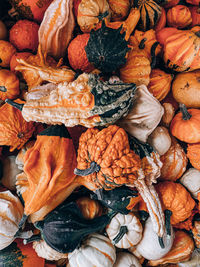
<point x="191" y="180"/>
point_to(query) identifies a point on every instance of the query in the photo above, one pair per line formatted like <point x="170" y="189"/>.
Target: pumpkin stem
<point x="161" y="242"/>
<point x="153" y="54"/>
<point x="142" y="43"/>
<point x="3" y="89"/>
<point x="185" y="114"/>
<point x="144" y="215"/>
<point x="168" y="215"/>
<point x="101" y="16"/>
<point x="94" y="167"/>
<point x="14" y="104"/>
<point x="122" y="231"/>
<point x="23" y="219"/>
<point x="32" y="239"/>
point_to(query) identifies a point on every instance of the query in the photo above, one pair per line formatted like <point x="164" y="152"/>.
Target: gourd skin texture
<point x="191" y="180"/>
<point x="179" y="17"/>
<point x="126" y="259"/>
<point x="9" y="85"/>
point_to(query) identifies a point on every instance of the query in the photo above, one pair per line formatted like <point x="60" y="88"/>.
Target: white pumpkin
<point x="43" y="250"/>
<point x="124" y="231"/>
<point x="10" y="170"/>
<point x="191" y="180"/>
<point x="11" y="212"/>
<point x="125" y="259"/>
<point x="145" y="115"/>
<point x="149" y="246"/>
<point x="160" y="140"/>
<point x="96" y="251"/>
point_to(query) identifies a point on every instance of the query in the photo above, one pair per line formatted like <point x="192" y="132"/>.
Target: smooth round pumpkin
<point x="174" y="162"/>
<point x="185" y="125"/>
<point x="179" y="17"/>
<point x="185" y="88"/>
<point x="18" y="254"/>
<point x="9" y="85"/>
<point x="195" y="13"/>
<point x="160" y="83"/>
<point x="6" y="52"/>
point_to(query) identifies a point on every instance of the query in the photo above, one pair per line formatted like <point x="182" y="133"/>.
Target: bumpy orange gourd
<point x="7" y="50"/>
<point x="14" y="130"/>
<point x="186" y="125"/>
<point x="9" y="84"/>
<point x="177" y="199"/>
<point x="179" y="17"/>
<point x="193" y="154"/>
<point x="119" y="9"/>
<point x="160" y="83"/>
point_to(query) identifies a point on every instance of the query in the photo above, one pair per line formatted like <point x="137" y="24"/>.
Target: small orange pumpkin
<point x="186" y="125"/>
<point x="179" y="17"/>
<point x="193" y="154"/>
<point x="9" y="84"/>
<point x="160" y="83"/>
<point x="7" y="50"/>
<point x="119" y="9"/>
<point x="195" y="13"/>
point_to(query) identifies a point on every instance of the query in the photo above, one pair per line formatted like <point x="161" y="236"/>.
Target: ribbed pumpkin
<point x="195" y="13"/>
<point x="174" y="162"/>
<point x="56" y="29"/>
<point x="160" y="83"/>
<point x="119" y="9"/>
<point x="162" y="21"/>
<point x="182" y="50"/>
<point x="9" y="84"/>
<point x="150" y="13"/>
<point x="179" y="17"/>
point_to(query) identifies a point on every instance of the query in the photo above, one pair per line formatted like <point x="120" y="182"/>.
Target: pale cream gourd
<point x="160" y="140"/>
<point x="145" y="115"/>
<point x="124" y="231"/>
<point x="11" y="212"/>
<point x="191" y="180"/>
<point x="43" y="250"/>
<point x="168" y="115"/>
<point x="96" y="251"/>
<point x="21" y="154"/>
<point x="126" y="259"/>
<point x="149" y="246"/>
<point x="10" y="170"/>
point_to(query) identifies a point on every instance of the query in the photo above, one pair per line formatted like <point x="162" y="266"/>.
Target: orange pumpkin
<point x="164" y="33"/>
<point x="119" y="9"/>
<point x="160" y="83"/>
<point x="13" y="61"/>
<point x="193" y="154"/>
<point x="179" y="17"/>
<point x="195" y="13"/>
<point x="174" y="162"/>
<point x="7" y="50"/>
<point x="193" y="2"/>
<point x="9" y="84"/>
<point x="170" y="3"/>
<point x="162" y="21"/>
<point x="90" y="208"/>
<point x="186" y="125"/>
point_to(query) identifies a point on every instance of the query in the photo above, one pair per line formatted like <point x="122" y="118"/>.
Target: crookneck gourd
<point x="87" y="101"/>
<point x="106" y="160"/>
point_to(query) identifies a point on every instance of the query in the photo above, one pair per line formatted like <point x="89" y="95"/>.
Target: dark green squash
<point x="107" y="48"/>
<point x="64" y="228"/>
<point x="150" y="13"/>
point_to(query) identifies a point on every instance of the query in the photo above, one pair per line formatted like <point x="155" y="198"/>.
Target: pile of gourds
<point x="99" y="133"/>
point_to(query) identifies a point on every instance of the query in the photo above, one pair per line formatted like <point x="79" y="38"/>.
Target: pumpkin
<point x="193" y="2"/>
<point x="181" y="250"/>
<point x="56" y="30"/>
<point x="144" y="116"/>
<point x="19" y="160"/>
<point x="90" y="208"/>
<point x="162" y="21"/>
<point x="90" y="13"/>
<point x="185" y="88"/>
<point x="119" y="9"/>
<point x="179" y="17"/>
<point x="18" y="254"/>
<point x="45" y="251"/>
<point x="95" y="250"/>
<point x="31" y="9"/>
<point x="3" y="31"/>
<point x="15" y="131"/>
<point x="160" y="83"/>
<point x="49" y="171"/>
<point x="168" y="115"/>
<point x="193" y="155"/>
<point x="150" y="13"/>
<point x="174" y="162"/>
<point x="149" y="247"/>
<point x="170" y="3"/>
<point x="71" y="223"/>
<point x="188" y="223"/>
<point x="137" y="68"/>
<point x="160" y="140"/>
<point x="11" y="211"/>
<point x="124" y="231"/>
<point x="185" y="125"/>
<point x="7" y="50"/>
<point x="108" y="173"/>
<point x="10" y="171"/>
<point x="126" y="259"/>
<point x="175" y="198"/>
<point x="191" y="180"/>
<point x="164" y="33"/>
<point x="181" y="50"/>
<point x="87" y="101"/>
<point x="9" y="84"/>
<point x="195" y="13"/>
<point x="196" y="233"/>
